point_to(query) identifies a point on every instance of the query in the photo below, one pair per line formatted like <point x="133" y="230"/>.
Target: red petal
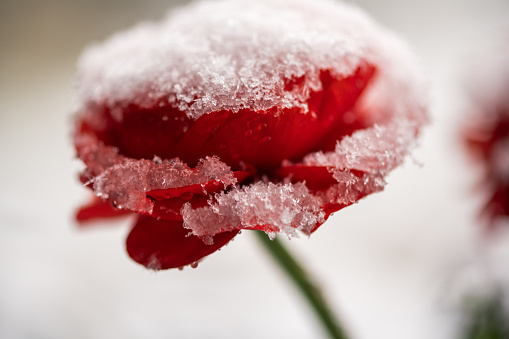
<point x="98" y="208"/>
<point x="337" y="106"/>
<point x="265" y="138"/>
<point x="317" y="178"/>
<point x="144" y="133"/>
<point x="169" y="209"/>
<point x="169" y="202"/>
<point x="190" y="147"/>
<point x="163" y="244"/>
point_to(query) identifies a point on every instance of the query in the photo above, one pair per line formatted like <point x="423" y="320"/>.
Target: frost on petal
<point x="259" y="61"/>
<point x="231" y="55"/>
<point x="273" y="208"/>
<point x="126" y="184"/>
<point x="374" y="150"/>
<point x="349" y="189"/>
<point x="394" y="108"/>
<point x="96" y="156"/>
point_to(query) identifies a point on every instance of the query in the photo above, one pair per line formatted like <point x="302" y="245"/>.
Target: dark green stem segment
<point x="487" y="319"/>
<point x="303" y="281"/>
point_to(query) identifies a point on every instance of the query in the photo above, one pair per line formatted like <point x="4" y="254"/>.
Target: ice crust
<point x="230" y="55"/>
<point x="127" y="183"/>
<point x="376" y="150"/>
<point x="281" y="208"/>
<point x="275" y="208"/>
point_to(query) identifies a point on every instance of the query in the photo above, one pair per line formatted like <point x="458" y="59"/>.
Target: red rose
<point x="241" y="115"/>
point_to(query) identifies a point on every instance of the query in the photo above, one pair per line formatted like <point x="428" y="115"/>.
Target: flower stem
<point x="303" y="281"/>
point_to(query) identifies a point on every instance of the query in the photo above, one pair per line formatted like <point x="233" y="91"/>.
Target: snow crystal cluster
<point x="229" y="55"/>
<point x="128" y="182"/>
<point x="275" y="208"/>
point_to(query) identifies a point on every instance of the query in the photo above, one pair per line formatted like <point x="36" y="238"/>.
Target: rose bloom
<point x="487" y="132"/>
<point x="232" y="115"/>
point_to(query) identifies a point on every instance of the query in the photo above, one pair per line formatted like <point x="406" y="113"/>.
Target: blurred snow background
<point x="396" y="265"/>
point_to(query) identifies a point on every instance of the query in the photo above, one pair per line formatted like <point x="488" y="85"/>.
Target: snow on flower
<point x="231" y="115"/>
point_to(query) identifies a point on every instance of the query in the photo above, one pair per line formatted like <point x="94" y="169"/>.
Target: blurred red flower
<point x="489" y="140"/>
<point x="487" y="132"/>
<point x="251" y="118"/>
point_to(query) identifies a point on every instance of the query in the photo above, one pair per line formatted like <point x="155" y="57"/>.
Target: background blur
<point x="397" y="265"/>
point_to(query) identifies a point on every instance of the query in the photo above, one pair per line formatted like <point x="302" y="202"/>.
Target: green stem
<point x="303" y="281"/>
<point x="487" y="319"/>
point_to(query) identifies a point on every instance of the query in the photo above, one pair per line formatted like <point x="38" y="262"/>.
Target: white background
<point x="396" y="265"/>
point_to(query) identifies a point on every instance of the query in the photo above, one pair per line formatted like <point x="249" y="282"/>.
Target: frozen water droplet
<point x="194" y="264"/>
<point x="116" y="205"/>
<point x="154" y="263"/>
<point x="157" y="160"/>
<point x="266" y="139"/>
